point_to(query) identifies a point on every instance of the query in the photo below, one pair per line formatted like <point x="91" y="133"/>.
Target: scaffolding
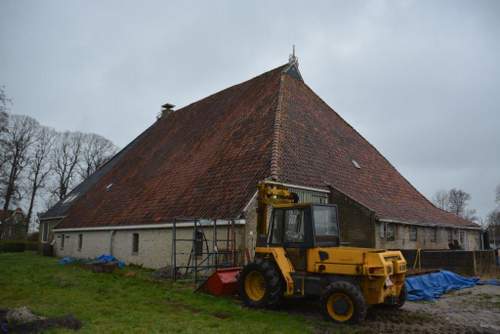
<point x="206" y="254"/>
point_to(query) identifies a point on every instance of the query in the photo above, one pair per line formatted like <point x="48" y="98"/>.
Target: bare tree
<point x="457" y="201"/>
<point x="96" y="151"/>
<point x="471" y="215"/>
<point x="497" y="194"/>
<point x="38" y="166"/>
<point x="65" y="159"/>
<point x="440" y="199"/>
<point x="493" y="221"/>
<point x="4" y="121"/>
<point x="18" y="139"/>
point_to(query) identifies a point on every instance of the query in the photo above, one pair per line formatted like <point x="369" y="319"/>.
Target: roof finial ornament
<point x="292" y="60"/>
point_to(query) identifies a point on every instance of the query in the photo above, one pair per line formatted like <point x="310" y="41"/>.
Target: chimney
<point x="166" y="109"/>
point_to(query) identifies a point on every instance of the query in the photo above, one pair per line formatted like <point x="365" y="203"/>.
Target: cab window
<point x="326" y="224"/>
<point x="294" y="225"/>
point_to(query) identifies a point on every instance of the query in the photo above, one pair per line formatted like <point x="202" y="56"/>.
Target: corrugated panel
<point x="308" y="196"/>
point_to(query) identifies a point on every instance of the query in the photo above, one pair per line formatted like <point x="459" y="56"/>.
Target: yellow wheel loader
<point x="299" y="253"/>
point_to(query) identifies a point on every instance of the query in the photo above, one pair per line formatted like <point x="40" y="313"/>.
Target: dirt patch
<point x="221" y="315"/>
<point x="476" y="308"/>
<point x="22" y="320"/>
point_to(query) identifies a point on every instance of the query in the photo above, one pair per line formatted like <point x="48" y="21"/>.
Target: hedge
<point x="11" y="246"/>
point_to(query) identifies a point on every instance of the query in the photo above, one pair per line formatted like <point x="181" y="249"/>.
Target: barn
<point x="196" y="169"/>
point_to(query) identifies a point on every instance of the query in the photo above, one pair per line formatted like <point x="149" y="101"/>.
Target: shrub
<point x="11" y="246"/>
<point x="31" y="246"/>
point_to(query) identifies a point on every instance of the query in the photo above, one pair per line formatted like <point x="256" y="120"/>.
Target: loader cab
<point x="299" y="227"/>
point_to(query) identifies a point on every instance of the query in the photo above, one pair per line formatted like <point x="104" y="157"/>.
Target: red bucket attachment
<point x="223" y="282"/>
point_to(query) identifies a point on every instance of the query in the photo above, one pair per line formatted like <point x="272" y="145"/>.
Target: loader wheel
<point x="343" y="302"/>
<point x="260" y="284"/>
<point x="401" y="298"/>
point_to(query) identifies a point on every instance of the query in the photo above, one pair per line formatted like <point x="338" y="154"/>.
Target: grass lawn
<point x="121" y="302"/>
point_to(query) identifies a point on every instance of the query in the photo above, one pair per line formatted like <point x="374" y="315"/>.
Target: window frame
<point x="62" y="241"/>
<point x="80" y="242"/>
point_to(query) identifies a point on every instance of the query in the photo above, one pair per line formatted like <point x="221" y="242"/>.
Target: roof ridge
<point x="277" y="129"/>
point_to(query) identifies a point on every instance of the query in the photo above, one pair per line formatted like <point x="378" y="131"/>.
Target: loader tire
<point x="260" y="284"/>
<point x="343" y="302"/>
<point x="401" y="298"/>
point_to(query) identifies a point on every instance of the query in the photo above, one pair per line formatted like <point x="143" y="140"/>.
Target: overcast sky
<point x="419" y="79"/>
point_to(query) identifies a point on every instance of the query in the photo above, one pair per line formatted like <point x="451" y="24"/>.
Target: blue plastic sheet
<point x="105" y="258"/>
<point x="67" y="260"/>
<point x="432" y="286"/>
<point x="489" y="282"/>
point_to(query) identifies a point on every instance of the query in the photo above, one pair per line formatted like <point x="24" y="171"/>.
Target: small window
<point x="450" y="235"/>
<point x="135" y="243"/>
<point x="390" y="232"/>
<point x="80" y="242"/>
<point x="382" y="230"/>
<point x="434" y="234"/>
<point x="198" y="243"/>
<point x="413" y="233"/>
<point x="45" y="234"/>
<point x="294" y="225"/>
<point x="462" y="238"/>
<point x="62" y="241"/>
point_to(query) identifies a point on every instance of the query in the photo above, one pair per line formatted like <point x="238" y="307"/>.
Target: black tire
<point x="401" y="299"/>
<point x="343" y="302"/>
<point x="273" y="283"/>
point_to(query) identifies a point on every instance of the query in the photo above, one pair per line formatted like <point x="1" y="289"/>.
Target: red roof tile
<point x="205" y="160"/>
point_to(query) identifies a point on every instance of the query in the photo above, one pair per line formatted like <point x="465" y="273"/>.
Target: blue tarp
<point x="105" y="258"/>
<point x="433" y="285"/>
<point x="67" y="260"/>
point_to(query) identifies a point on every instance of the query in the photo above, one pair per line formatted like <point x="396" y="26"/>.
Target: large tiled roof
<point x="205" y="160"/>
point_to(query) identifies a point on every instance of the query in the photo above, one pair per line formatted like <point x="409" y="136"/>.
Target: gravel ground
<point x="472" y="310"/>
<point x="476" y="309"/>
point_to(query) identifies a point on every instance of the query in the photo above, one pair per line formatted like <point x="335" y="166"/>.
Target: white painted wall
<point x="155" y="245"/>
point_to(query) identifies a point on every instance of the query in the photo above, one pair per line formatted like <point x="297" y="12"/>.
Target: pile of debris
<point x="23" y="320"/>
<point x="102" y="264"/>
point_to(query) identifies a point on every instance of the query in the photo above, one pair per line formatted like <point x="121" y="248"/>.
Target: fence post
<point x="173" y="262"/>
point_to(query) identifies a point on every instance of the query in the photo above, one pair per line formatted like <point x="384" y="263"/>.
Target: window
<point x="450" y="235"/>
<point x="45" y="234"/>
<point x="135" y="243"/>
<point x="413" y="233"/>
<point x="80" y="242"/>
<point x="462" y="238"/>
<point x="62" y="241"/>
<point x="277" y="232"/>
<point x="198" y="243"/>
<point x="326" y="224"/>
<point x="294" y="225"/>
<point x="434" y="234"/>
<point x="390" y="232"/>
